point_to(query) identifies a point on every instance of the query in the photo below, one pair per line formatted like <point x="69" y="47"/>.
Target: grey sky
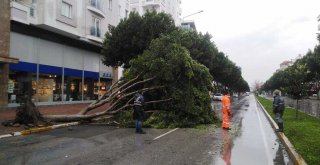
<point x="257" y="34"/>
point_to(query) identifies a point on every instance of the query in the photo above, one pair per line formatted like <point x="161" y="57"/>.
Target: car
<point x="217" y="96"/>
<point x="247" y="93"/>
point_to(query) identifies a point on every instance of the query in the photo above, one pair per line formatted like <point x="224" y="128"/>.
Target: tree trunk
<point x="297" y="109"/>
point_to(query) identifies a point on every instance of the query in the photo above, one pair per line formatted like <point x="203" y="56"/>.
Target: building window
<point x="66" y="9"/>
<point x="95" y="3"/>
<point x="110" y="4"/>
<point x="126" y="16"/>
<point x="31" y="11"/>
<point x="95" y="28"/>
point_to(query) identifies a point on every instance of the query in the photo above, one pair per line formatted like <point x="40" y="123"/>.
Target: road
<point x="251" y="141"/>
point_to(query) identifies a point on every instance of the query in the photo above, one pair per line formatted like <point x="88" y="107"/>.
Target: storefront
<point x="51" y="72"/>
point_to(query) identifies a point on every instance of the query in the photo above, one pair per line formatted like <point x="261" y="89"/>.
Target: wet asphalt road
<point x="251" y="141"/>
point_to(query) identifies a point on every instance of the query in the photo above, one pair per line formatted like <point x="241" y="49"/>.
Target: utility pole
<point x="4" y="52"/>
<point x="192" y="14"/>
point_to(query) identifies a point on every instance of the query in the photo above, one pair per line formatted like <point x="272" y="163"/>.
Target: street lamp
<point x="192" y="14"/>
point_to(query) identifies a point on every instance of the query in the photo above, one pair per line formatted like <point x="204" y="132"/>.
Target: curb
<point x="40" y="129"/>
<point x="296" y="158"/>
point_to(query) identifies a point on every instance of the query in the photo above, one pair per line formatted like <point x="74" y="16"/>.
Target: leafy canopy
<point x="185" y="80"/>
<point x="133" y="35"/>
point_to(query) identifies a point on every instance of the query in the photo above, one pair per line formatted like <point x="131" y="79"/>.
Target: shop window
<point x="20" y="83"/>
<point x="104" y="85"/>
<point x="90" y="89"/>
<point x="72" y="88"/>
<point x="49" y="88"/>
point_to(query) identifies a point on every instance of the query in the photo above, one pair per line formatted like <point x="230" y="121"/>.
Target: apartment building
<point x="171" y="7"/>
<point x="189" y="25"/>
<point x="58" y="44"/>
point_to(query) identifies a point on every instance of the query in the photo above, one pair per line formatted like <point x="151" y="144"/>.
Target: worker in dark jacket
<point x="138" y="113"/>
<point x="278" y="109"/>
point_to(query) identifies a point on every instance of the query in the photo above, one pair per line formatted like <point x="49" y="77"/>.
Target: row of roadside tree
<point x="183" y="65"/>
<point x="299" y="80"/>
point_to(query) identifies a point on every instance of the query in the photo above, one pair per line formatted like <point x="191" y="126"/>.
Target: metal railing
<point x="308" y="106"/>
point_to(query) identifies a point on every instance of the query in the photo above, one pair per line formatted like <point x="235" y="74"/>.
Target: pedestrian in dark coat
<point x="278" y="109"/>
<point x="138" y="113"/>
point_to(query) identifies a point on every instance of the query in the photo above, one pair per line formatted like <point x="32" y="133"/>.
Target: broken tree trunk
<point x="118" y="100"/>
<point x="27" y="113"/>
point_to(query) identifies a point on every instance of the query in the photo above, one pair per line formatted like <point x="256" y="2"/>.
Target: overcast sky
<point x="257" y="34"/>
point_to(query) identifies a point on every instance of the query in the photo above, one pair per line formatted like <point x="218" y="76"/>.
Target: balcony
<point x="96" y="7"/>
<point x="20" y="12"/>
<point x="151" y="3"/>
<point x="95" y="34"/>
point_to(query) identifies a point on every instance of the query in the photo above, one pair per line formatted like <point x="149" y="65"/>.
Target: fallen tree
<point x="120" y="99"/>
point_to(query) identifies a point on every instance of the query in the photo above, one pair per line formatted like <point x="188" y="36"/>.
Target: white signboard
<point x="106" y="75"/>
<point x="10" y="86"/>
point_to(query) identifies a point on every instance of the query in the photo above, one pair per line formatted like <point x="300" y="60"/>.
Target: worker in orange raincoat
<point x="226" y="111"/>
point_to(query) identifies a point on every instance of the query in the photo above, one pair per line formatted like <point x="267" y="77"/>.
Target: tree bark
<point x="115" y="100"/>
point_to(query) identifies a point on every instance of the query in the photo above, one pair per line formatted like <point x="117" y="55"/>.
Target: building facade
<point x="58" y="44"/>
<point x="189" y="25"/>
<point x="171" y="7"/>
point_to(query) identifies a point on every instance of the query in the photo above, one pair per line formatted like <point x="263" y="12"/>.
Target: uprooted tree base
<point x="27" y="114"/>
<point x="119" y="100"/>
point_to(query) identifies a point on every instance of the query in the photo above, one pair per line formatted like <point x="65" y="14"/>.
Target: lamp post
<point x="191" y="14"/>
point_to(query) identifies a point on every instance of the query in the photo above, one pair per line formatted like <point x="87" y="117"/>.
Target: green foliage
<point x="133" y="35"/>
<point x="185" y="81"/>
<point x="300" y="78"/>
<point x="303" y="132"/>
<point x="182" y="61"/>
<point x="204" y="51"/>
<point x="125" y="118"/>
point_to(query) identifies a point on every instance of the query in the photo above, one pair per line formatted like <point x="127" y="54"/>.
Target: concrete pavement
<point x="251" y="141"/>
<point x="9" y="114"/>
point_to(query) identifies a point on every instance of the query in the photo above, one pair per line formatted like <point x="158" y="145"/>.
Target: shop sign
<point x="10" y="86"/>
<point x="105" y="74"/>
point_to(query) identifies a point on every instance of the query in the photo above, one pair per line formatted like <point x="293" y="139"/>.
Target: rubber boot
<point x="280" y="127"/>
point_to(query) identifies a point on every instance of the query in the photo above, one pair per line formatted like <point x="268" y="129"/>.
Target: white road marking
<point x="264" y="137"/>
<point x="165" y="134"/>
<point x="4" y="136"/>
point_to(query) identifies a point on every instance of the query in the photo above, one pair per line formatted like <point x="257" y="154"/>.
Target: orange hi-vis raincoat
<point x="226" y="111"/>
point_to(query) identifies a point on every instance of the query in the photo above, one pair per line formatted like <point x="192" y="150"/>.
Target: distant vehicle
<point x="217" y="96"/>
<point x="247" y="93"/>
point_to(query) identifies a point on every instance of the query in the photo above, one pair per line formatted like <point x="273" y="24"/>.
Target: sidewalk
<point x="45" y="110"/>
